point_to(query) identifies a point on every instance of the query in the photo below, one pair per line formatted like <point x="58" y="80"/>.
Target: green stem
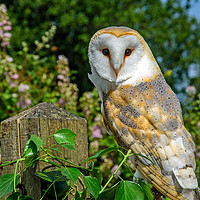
<point x="54" y="157"/>
<point x="130" y="170"/>
<point x="74" y="164"/>
<point x="125" y="157"/>
<point x="50" y="187"/>
<point x="48" y="161"/>
<point x="119" y="177"/>
<point x="47" y="137"/>
<point x="54" y="187"/>
<point x="68" y="192"/>
<point x="27" y="166"/>
<point x="52" y="146"/>
<point x="128" y="166"/>
<point x="15" y="174"/>
<point x="62" y="159"/>
<point x="11" y="162"/>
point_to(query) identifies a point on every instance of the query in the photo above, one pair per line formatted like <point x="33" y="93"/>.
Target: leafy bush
<point x="172" y="35"/>
<point x="34" y="77"/>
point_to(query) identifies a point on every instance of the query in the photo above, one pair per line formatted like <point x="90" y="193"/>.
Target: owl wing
<point x="147" y="119"/>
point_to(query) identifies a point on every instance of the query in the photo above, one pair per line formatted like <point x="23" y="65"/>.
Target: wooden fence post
<point x="41" y="120"/>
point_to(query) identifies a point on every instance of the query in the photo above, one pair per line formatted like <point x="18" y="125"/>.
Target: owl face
<point x="116" y="54"/>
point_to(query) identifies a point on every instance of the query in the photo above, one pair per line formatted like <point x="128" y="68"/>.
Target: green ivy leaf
<point x="147" y="190"/>
<point x="7" y="183"/>
<point x="38" y="142"/>
<point x="128" y="190"/>
<point x="68" y="146"/>
<point x="65" y="136"/>
<point x="100" y="153"/>
<point x="109" y="193"/>
<point x="71" y="173"/>
<point x="92" y="185"/>
<point x="13" y="196"/>
<point x="30" y="149"/>
<point x="33" y="146"/>
<point x="51" y="176"/>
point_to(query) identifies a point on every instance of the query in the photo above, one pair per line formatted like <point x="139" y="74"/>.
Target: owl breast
<point x="147" y="118"/>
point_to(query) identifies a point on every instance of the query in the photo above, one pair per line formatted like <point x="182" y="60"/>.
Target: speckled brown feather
<point x="138" y="116"/>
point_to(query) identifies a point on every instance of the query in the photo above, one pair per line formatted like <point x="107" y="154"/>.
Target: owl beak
<point x="116" y="63"/>
<point x="116" y="68"/>
<point x="116" y="71"/>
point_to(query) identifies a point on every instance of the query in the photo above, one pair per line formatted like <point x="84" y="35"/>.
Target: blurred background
<point x="43" y="57"/>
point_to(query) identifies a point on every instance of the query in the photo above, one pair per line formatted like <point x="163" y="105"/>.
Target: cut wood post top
<point x="44" y="110"/>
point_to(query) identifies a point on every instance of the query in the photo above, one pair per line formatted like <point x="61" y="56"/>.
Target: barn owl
<point x="142" y="112"/>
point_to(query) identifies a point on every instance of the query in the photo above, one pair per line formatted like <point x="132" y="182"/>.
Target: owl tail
<point x="191" y="194"/>
<point x="167" y="185"/>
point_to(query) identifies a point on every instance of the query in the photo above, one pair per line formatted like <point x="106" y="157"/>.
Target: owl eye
<point x="128" y="52"/>
<point x="106" y="52"/>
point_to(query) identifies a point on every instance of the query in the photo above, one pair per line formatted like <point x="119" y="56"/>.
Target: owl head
<point x="118" y="55"/>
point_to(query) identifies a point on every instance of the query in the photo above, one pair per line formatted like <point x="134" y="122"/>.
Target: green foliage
<point x="92" y="185"/>
<point x="21" y="84"/>
<point x="7" y="183"/>
<point x="58" y="179"/>
<point x="71" y="173"/>
<point x="109" y="193"/>
<point x="172" y="35"/>
<point x="126" y="189"/>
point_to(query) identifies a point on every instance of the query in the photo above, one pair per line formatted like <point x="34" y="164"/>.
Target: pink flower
<point x="8" y="35"/>
<point x="114" y="169"/>
<point x="15" y="76"/>
<point x="197" y="155"/>
<point x="64" y="72"/>
<point x="97" y="132"/>
<point x="63" y="59"/>
<point x="191" y="90"/>
<point x="13" y="84"/>
<point x="23" y="87"/>
<point x="9" y="59"/>
<point x="96" y="119"/>
<point x="21" y="103"/>
<point x="7" y="28"/>
<point x="61" y="101"/>
<point x="1" y="33"/>
<point x="5" y="44"/>
<point x="28" y="102"/>
<point x="61" y="77"/>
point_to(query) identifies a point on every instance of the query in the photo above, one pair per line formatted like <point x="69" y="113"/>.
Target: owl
<point x="142" y="112"/>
